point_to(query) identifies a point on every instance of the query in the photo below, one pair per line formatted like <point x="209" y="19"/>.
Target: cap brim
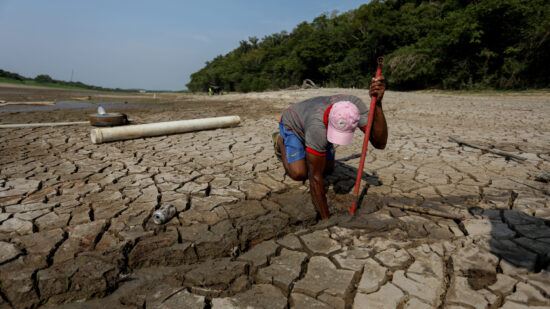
<point x="339" y="138"/>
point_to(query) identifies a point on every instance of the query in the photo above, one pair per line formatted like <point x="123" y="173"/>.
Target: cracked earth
<point x="76" y="218"/>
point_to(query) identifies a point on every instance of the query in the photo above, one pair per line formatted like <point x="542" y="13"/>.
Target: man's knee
<point x="298" y="170"/>
<point x="298" y="175"/>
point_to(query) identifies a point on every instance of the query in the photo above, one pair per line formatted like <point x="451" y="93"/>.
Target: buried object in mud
<point x="427" y="211"/>
<point x="508" y="156"/>
<point x="102" y="135"/>
<point x="164" y="214"/>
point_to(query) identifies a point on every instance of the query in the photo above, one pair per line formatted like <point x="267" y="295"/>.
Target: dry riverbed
<point x="76" y="228"/>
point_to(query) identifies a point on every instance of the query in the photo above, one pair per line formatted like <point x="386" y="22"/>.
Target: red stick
<point x="365" y="144"/>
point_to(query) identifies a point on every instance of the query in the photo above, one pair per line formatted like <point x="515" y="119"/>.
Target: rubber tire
<point x="108" y="119"/>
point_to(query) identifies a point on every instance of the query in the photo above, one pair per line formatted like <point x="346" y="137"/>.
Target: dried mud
<point x="76" y="227"/>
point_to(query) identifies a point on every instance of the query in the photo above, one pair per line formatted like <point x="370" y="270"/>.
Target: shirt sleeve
<point x="363" y="111"/>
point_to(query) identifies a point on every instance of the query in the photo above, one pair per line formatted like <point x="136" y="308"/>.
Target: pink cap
<point x="342" y="121"/>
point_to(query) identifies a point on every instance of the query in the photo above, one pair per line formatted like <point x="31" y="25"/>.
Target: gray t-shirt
<point x="306" y="119"/>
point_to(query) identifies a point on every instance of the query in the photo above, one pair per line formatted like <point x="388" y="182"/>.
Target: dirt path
<point x="75" y="219"/>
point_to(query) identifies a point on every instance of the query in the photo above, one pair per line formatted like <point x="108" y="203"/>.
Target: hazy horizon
<point x="138" y="44"/>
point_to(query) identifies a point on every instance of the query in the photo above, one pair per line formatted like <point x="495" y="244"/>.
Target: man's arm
<point x="379" y="131"/>
<point x="316" y="166"/>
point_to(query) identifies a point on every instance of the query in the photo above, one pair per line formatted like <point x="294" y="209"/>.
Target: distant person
<point x="210" y="92"/>
<point x="308" y="130"/>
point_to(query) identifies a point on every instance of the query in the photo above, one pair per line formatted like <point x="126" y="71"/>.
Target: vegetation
<point x="446" y="44"/>
<point x="46" y="81"/>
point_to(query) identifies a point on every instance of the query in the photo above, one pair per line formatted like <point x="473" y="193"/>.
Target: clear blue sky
<point x="139" y="44"/>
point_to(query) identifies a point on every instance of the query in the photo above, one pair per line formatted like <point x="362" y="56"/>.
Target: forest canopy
<point x="452" y="44"/>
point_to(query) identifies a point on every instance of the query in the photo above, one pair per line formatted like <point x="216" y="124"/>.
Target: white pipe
<point x="102" y="135"/>
<point x="44" y="124"/>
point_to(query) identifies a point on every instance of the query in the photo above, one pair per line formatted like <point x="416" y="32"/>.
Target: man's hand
<point x="379" y="133"/>
<point x="377" y="88"/>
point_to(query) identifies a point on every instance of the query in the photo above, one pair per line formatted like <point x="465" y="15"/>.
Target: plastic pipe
<point x="102" y="135"/>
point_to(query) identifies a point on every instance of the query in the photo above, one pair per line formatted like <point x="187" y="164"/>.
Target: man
<point x="308" y="130"/>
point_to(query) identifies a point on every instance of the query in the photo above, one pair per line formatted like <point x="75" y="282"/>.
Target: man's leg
<point x="293" y="153"/>
<point x="297" y="170"/>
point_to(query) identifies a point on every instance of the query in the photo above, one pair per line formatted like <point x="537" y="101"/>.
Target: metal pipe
<point x="102" y="135"/>
<point x="44" y="124"/>
<point x="365" y="144"/>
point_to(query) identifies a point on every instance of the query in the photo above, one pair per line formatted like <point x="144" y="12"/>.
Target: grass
<point x="38" y="84"/>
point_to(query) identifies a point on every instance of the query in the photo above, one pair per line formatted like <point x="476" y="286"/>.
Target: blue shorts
<point x="295" y="150"/>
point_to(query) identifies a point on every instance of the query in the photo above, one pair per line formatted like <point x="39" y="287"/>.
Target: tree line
<point x="46" y="79"/>
<point x="448" y="44"/>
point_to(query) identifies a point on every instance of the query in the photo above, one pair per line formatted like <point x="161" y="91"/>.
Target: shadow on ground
<point x="516" y="237"/>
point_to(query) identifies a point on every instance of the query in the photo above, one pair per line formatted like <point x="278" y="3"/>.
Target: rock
<point x="322" y="276"/>
<point x="259" y="296"/>
<point x="319" y="242"/>
<point x="8" y="251"/>
<point x="260" y="253"/>
<point x="389" y="296"/>
<point x="300" y="301"/>
<point x="283" y="270"/>
<point x="15" y="225"/>
<point x="373" y="276"/>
